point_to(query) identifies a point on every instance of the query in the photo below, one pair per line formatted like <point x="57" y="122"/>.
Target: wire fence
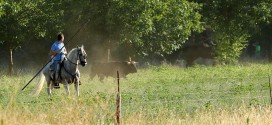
<point x="251" y="90"/>
<point x="170" y="92"/>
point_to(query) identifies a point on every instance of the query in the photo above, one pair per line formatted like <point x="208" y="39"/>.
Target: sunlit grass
<point x="237" y="94"/>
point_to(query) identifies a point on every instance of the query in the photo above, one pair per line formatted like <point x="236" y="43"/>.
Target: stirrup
<point x="56" y="85"/>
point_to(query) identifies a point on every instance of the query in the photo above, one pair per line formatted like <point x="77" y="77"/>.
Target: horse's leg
<point x="49" y="89"/>
<point x="76" y="86"/>
<point x="66" y="85"/>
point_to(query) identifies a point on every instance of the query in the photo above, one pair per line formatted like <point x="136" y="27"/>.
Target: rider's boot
<point x="57" y="78"/>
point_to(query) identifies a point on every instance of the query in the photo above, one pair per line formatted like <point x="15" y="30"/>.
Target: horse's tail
<point x="39" y="85"/>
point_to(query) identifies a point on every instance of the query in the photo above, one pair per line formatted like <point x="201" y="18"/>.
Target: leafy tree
<point x="144" y="28"/>
<point x="1" y="9"/>
<point x="231" y="21"/>
<point x="155" y="27"/>
<point x="23" y="18"/>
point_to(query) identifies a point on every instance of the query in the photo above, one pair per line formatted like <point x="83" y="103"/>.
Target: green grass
<point x="154" y="92"/>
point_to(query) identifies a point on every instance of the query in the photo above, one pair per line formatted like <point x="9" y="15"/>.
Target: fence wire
<point x="259" y="95"/>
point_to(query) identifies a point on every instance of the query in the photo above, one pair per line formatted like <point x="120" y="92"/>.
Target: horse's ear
<point x="82" y="46"/>
<point x="77" y="46"/>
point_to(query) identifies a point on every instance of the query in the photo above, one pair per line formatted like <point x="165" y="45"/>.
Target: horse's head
<point x="82" y="55"/>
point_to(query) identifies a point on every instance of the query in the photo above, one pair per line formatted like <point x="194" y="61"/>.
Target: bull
<point x="195" y="53"/>
<point x="110" y="69"/>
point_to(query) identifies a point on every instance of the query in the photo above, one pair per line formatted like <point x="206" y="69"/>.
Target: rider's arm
<point x="52" y="52"/>
<point x="64" y="51"/>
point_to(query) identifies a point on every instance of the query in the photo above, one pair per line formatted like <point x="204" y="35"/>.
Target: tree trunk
<point x="11" y="70"/>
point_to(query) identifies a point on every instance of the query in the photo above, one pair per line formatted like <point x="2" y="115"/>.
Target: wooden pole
<point x="270" y="89"/>
<point x="118" y="102"/>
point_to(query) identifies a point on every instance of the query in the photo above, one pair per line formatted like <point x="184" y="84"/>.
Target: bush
<point x="229" y="47"/>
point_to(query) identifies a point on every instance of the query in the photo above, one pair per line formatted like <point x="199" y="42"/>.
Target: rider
<point x="58" y="51"/>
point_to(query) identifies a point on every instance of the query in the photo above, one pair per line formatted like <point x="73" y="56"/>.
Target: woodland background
<point x="144" y="30"/>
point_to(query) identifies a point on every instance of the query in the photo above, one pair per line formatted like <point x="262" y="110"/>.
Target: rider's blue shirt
<point x="60" y="48"/>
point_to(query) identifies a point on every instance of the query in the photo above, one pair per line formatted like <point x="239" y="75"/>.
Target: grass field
<point x="236" y="94"/>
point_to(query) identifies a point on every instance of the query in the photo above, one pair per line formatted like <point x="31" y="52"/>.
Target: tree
<point x="144" y="28"/>
<point x="155" y="27"/>
<point x="23" y="18"/>
<point x="231" y="21"/>
<point x="1" y="9"/>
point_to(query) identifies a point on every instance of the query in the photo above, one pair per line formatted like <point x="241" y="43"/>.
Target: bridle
<point x="79" y="57"/>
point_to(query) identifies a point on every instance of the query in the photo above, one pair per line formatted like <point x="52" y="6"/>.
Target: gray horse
<point x="69" y="72"/>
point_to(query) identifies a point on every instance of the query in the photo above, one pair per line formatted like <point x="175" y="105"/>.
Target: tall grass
<point x="237" y="94"/>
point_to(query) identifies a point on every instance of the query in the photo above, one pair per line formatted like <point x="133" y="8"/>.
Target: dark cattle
<point x="193" y="52"/>
<point x="110" y="69"/>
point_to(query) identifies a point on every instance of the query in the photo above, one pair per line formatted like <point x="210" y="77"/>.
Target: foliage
<point x="263" y="11"/>
<point x="1" y="9"/>
<point x="145" y="27"/>
<point x="140" y="28"/>
<point x="229" y="46"/>
<point x="148" y="28"/>
<point x="24" y="18"/>
<point x="231" y="21"/>
<point x="155" y="27"/>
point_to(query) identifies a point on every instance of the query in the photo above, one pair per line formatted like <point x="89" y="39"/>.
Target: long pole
<point x="55" y="55"/>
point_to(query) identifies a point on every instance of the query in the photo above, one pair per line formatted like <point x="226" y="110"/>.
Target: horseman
<point x="58" y="52"/>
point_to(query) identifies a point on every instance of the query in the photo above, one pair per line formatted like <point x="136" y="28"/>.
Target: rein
<point x="72" y="62"/>
<point x="73" y="75"/>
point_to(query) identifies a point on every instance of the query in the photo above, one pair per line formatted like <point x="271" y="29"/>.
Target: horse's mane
<point x="70" y="54"/>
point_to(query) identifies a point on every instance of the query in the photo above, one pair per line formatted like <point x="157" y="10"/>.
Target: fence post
<point x="118" y="102"/>
<point x="270" y="88"/>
